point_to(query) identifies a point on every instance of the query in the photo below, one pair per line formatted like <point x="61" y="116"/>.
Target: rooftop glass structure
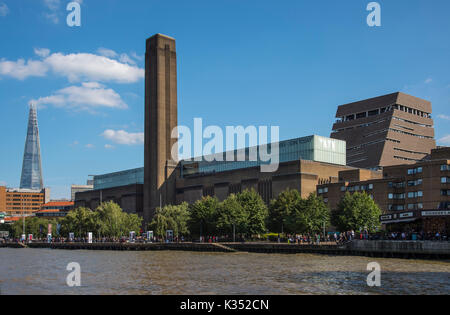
<point x="314" y="148"/>
<point x="123" y="178"/>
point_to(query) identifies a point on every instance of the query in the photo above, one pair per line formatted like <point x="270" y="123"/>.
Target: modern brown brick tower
<point x="160" y="120"/>
<point x="386" y="130"/>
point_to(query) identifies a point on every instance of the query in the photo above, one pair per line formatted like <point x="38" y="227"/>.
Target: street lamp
<point x="234" y="232"/>
<point x="23" y="218"/>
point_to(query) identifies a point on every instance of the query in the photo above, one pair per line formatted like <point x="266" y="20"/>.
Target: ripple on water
<point x="41" y="271"/>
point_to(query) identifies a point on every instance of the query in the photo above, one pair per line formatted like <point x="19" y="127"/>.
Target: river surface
<point x="43" y="271"/>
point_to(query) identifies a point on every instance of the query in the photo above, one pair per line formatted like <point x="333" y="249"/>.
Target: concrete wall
<point x="406" y="247"/>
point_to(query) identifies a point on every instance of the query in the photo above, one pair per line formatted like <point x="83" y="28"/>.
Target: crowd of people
<point x="333" y="238"/>
<point x="417" y="236"/>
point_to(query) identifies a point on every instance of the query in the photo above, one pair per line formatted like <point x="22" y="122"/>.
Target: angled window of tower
<point x="31" y="167"/>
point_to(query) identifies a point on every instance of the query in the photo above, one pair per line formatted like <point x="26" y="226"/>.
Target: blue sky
<point x="240" y="62"/>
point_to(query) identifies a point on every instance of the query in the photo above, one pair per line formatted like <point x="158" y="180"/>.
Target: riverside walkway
<point x="386" y="249"/>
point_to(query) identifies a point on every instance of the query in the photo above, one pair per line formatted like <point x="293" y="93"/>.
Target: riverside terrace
<point x="386" y="249"/>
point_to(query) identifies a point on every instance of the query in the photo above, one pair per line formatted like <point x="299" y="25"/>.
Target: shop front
<point x="432" y="223"/>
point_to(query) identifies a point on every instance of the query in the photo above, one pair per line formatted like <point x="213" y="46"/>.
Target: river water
<point x="43" y="271"/>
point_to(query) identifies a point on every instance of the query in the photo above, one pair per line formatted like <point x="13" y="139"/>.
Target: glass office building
<point x="31" y="168"/>
<point x="123" y="178"/>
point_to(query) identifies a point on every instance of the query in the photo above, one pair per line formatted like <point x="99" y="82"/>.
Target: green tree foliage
<point x="311" y="215"/>
<point x="356" y="211"/>
<point x="173" y="218"/>
<point x="281" y="211"/>
<point x="294" y="214"/>
<point x="132" y="222"/>
<point x="203" y="216"/>
<point x="80" y="221"/>
<point x="231" y="213"/>
<point x="108" y="220"/>
<point x="113" y="222"/>
<point x="255" y="211"/>
<point x="34" y="225"/>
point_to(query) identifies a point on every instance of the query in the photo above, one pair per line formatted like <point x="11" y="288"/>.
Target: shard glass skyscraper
<point x="31" y="167"/>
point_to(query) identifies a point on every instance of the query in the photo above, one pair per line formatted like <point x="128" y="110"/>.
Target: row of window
<point x="357" y="188"/>
<point x="412" y="122"/>
<point x="412" y="111"/>
<point x="24" y="204"/>
<point x="371" y="143"/>
<point x="27" y="209"/>
<point x="410" y="134"/>
<point x="365" y="114"/>
<point x="362" y="125"/>
<point x="415" y="194"/>
<point x="356" y="161"/>
<point x="25" y="196"/>
<point x="396" y="185"/>
<point x="413" y="171"/>
<point x="382" y="110"/>
<point x="410" y="206"/>
<point x="411" y="194"/>
<point x="405" y="158"/>
<point x="354" y="155"/>
<point x="445" y="192"/>
<point x="408" y="151"/>
<point x="324" y="190"/>
<point x="444" y="205"/>
<point x="373" y="133"/>
<point x="407" y="128"/>
<point x="396" y="130"/>
<point x="445" y="180"/>
<point x="416" y="182"/>
<point x="445" y="167"/>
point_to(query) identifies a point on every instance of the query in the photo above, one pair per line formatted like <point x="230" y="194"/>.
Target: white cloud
<point x="89" y="146"/>
<point x="429" y="80"/>
<point x="123" y="58"/>
<point x="444" y="140"/>
<point x="441" y="116"/>
<point x="88" y="96"/>
<point x="4" y="10"/>
<point x="109" y="147"/>
<point x="93" y="67"/>
<point x="53" y="6"/>
<point x="109" y="53"/>
<point x="42" y="52"/>
<point x="126" y="59"/>
<point x="75" y="67"/>
<point x="135" y="56"/>
<point x="123" y="137"/>
<point x="53" y="17"/>
<point x="22" y="69"/>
